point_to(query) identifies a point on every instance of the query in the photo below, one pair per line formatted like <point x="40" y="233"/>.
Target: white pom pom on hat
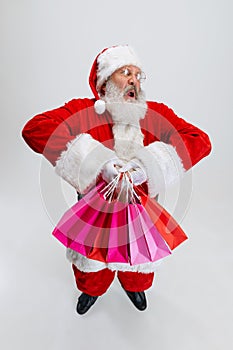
<point x="100" y="106"/>
<point x="105" y="64"/>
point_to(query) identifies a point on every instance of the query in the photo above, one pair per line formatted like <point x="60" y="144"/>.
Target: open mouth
<point x="131" y="94"/>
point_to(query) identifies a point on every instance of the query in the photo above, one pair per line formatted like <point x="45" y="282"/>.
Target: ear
<point x="103" y="89"/>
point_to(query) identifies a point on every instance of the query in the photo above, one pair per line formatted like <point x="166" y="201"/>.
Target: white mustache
<point x="130" y="88"/>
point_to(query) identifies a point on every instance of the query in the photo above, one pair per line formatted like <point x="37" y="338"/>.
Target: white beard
<point x="123" y="111"/>
<point x="128" y="138"/>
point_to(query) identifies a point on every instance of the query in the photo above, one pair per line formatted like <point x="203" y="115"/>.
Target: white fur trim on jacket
<point x="128" y="140"/>
<point x="162" y="165"/>
<point x="89" y="265"/>
<point x="83" y="161"/>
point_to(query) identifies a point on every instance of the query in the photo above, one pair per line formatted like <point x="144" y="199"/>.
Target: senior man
<point x="117" y="130"/>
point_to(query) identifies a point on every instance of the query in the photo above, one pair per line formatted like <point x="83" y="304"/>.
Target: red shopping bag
<point x="111" y="242"/>
<point x="164" y="222"/>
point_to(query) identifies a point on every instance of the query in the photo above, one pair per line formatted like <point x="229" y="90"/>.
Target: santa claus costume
<point x="80" y="137"/>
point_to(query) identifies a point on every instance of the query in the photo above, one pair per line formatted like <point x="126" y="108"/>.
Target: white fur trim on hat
<point x="112" y="59"/>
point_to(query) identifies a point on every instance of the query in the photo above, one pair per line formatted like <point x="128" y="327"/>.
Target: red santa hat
<point x="105" y="64"/>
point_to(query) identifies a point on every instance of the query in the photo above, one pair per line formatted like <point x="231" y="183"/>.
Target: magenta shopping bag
<point x="80" y="227"/>
<point x="95" y="227"/>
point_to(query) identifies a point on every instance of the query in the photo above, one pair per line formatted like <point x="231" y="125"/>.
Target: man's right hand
<point x="111" y="169"/>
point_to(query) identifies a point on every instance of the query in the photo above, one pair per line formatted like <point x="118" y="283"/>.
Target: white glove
<point x="111" y="169"/>
<point x="136" y="170"/>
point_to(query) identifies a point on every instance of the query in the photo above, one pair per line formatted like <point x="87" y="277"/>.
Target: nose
<point x="133" y="80"/>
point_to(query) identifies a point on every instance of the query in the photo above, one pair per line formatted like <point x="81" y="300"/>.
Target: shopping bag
<point x="96" y="226"/>
<point x="145" y="242"/>
<point x="167" y="226"/>
<point x="118" y="235"/>
<point x="111" y="242"/>
<point x="84" y="222"/>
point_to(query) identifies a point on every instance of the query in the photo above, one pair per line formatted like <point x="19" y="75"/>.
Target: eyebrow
<point x="127" y="67"/>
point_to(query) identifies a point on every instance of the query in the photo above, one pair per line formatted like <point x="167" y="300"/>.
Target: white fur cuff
<point x="89" y="265"/>
<point x="162" y="165"/>
<point x="83" y="161"/>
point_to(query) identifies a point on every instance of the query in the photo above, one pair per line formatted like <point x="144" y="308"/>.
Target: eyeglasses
<point x="126" y="72"/>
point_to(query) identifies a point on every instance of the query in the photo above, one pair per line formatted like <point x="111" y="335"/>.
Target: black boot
<point x="138" y="299"/>
<point x="85" y="301"/>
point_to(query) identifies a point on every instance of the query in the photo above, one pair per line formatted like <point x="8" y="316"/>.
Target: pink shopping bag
<point x="145" y="241"/>
<point x="118" y="235"/>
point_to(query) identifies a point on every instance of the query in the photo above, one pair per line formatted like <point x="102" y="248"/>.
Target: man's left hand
<point x="136" y="170"/>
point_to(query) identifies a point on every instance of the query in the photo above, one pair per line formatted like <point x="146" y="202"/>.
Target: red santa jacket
<point x="78" y="142"/>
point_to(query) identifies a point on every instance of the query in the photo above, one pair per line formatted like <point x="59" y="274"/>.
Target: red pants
<point x="96" y="283"/>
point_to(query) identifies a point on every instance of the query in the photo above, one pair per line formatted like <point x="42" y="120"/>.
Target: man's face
<point x="124" y="98"/>
<point x="127" y="79"/>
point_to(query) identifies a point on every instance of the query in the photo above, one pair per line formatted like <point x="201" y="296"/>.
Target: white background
<point x="47" y="48"/>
